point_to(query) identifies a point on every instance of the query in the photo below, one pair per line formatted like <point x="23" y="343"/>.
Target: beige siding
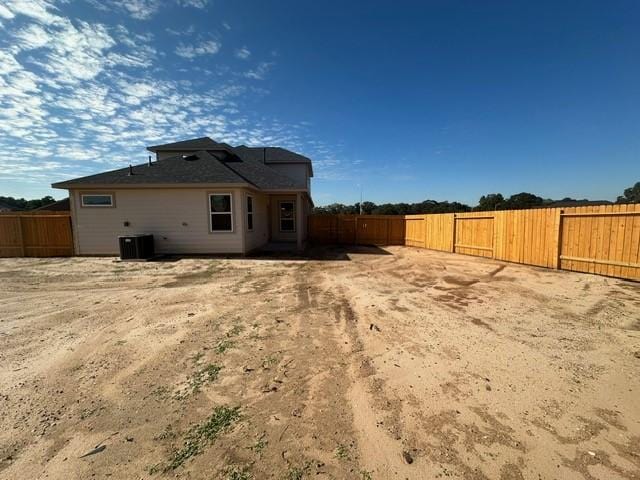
<point x="178" y="219"/>
<point x="260" y="234"/>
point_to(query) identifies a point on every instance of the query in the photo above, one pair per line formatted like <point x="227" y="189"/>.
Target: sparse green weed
<point x="342" y="452"/>
<point x="235" y="331"/>
<point x="238" y="473"/>
<point x="297" y="473"/>
<point x="161" y="392"/>
<point x="260" y="444"/>
<point x="209" y="373"/>
<point x="223" y="346"/>
<point x="197" y="357"/>
<point x="269" y="361"/>
<point x="203" y="434"/>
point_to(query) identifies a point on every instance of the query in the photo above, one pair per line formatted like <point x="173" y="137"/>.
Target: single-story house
<point x="197" y="197"/>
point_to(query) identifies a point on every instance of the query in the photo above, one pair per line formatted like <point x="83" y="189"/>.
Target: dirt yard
<point x="363" y="364"/>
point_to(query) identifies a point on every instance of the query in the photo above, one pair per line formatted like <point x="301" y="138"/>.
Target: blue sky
<point x="408" y="100"/>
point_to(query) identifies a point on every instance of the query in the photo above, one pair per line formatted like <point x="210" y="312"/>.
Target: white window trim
<point x="230" y="212"/>
<point x="293" y="202"/>
<point x="85" y="205"/>
<point x="250" y="213"/>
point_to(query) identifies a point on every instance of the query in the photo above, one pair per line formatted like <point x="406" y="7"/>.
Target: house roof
<point x="194" y="144"/>
<point x="200" y="167"/>
<point x="59" y="206"/>
<point x="6" y="208"/>
<point x="262" y="154"/>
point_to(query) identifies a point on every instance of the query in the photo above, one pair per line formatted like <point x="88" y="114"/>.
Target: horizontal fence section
<point x="36" y="235"/>
<point x="602" y="239"/>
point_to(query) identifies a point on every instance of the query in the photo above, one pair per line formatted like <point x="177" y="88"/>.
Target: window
<point x="221" y="212"/>
<point x="249" y="213"/>
<point x="287" y="216"/>
<point x="97" y="200"/>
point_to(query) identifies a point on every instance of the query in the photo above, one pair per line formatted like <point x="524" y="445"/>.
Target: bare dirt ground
<point x="367" y="364"/>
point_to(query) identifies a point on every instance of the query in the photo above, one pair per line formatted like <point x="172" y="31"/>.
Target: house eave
<point x="136" y="186"/>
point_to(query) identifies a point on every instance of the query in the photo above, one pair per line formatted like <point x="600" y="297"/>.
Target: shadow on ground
<point x="316" y="252"/>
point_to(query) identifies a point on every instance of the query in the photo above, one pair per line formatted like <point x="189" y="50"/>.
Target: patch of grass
<point x="203" y="434"/>
<point x="167" y="434"/>
<point x="297" y="473"/>
<point x="260" y="444"/>
<point x="269" y="361"/>
<point x="364" y="475"/>
<point x="342" y="452"/>
<point x="161" y="392"/>
<point x="207" y="374"/>
<point x="197" y="357"/>
<point x="238" y="473"/>
<point x="223" y="346"/>
<point x="235" y="331"/>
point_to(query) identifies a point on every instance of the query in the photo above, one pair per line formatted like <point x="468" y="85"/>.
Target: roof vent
<point x="190" y="158"/>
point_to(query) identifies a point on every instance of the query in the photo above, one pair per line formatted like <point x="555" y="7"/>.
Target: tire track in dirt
<point x="376" y="417"/>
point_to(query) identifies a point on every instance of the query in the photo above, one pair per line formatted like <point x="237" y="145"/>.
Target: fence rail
<point x="603" y="239"/>
<point x="30" y="234"/>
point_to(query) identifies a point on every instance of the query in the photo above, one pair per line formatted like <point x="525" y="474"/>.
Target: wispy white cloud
<point x="210" y="47"/>
<point x="243" y="53"/>
<point x="190" y="30"/>
<point x="138" y="9"/>
<point x="260" y="72"/>
<point x="6" y="13"/>
<point x="193" y="3"/>
<point x="79" y="96"/>
<point x="39" y="10"/>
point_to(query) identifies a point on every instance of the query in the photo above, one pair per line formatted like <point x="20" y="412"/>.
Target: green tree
<point x="22" y="204"/>
<point x="631" y="195"/>
<point x="521" y="200"/>
<point x="491" y="201"/>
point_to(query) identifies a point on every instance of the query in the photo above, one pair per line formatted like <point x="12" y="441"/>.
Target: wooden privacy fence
<point x="602" y="239"/>
<point x="355" y="229"/>
<point x="36" y="234"/>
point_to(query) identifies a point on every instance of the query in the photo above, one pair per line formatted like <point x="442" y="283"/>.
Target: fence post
<point x="495" y="235"/>
<point x="558" y="237"/>
<point x="424" y="219"/>
<point x="453" y="230"/>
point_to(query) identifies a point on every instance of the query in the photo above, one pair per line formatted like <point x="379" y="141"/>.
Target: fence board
<point x="601" y="239"/>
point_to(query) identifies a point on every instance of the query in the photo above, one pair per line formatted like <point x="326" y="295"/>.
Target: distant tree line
<point x="489" y="202"/>
<point x="22" y="204"/>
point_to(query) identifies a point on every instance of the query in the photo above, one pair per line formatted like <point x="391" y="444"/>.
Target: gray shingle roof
<point x="63" y="205"/>
<point x="194" y="144"/>
<point x="206" y="167"/>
